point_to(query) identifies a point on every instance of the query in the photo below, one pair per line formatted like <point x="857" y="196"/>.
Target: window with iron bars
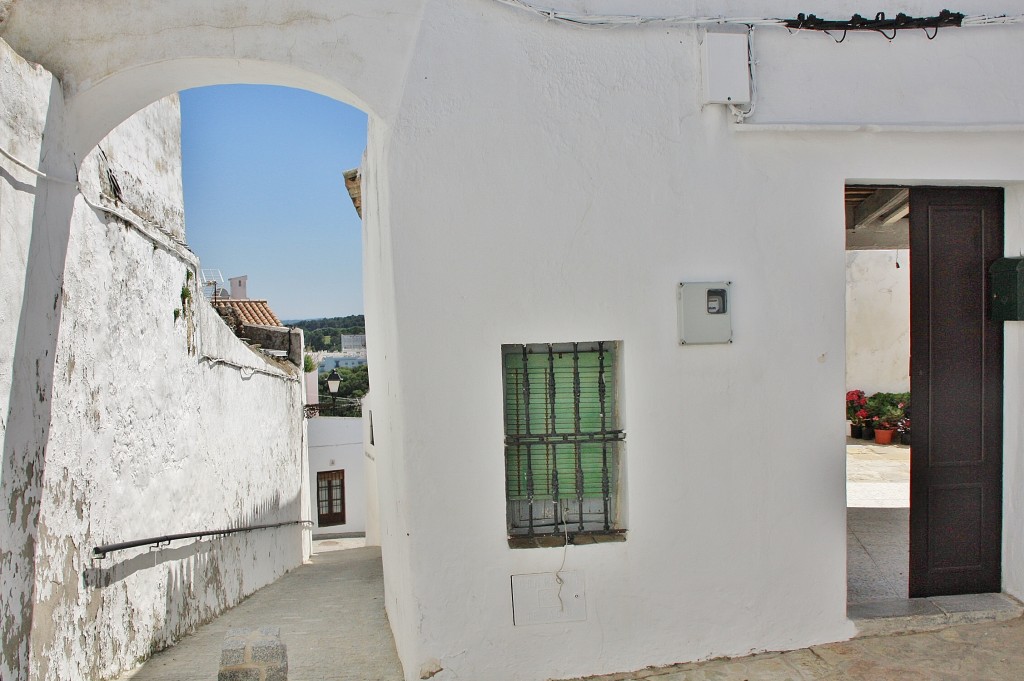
<point x="562" y="443"/>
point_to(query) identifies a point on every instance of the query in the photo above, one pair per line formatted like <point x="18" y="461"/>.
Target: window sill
<point x="575" y="539"/>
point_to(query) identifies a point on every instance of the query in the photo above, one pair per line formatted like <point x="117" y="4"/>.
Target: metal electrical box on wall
<point x="704" y="312"/>
<point x="726" y="68"/>
<point x="1006" y="278"/>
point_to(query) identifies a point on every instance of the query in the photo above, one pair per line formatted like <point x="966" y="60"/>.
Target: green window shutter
<point x="561" y="433"/>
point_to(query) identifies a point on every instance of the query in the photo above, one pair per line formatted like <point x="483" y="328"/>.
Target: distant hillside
<point x="325" y="333"/>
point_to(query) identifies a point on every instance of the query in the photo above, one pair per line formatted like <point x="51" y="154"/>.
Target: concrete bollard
<point x="253" y="655"/>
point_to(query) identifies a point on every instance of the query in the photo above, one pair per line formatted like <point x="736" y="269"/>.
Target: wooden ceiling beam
<point x="882" y="206"/>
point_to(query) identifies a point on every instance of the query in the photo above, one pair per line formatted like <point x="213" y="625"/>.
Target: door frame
<point x="1006" y="386"/>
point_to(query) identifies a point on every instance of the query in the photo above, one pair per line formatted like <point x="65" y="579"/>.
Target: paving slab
<point x="992" y="651"/>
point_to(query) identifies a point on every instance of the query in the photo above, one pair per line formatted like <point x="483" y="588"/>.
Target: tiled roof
<point x="251" y="312"/>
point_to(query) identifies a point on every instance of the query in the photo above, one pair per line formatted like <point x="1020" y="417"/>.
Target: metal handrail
<point x="102" y="551"/>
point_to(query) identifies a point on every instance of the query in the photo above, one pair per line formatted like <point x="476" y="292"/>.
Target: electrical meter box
<point x="726" y="68"/>
<point x="704" y="312"/>
<point x="1006" y="283"/>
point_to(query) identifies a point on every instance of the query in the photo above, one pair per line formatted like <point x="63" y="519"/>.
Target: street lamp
<point x="333" y="385"/>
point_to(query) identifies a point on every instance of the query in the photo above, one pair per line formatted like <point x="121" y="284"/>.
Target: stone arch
<point x="103" y="88"/>
<point x="94" y="112"/>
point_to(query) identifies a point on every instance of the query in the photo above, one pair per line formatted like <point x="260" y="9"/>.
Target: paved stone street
<point x="877" y="476"/>
<point x="877" y="521"/>
<point x="971" y="652"/>
<point x="331" y="614"/>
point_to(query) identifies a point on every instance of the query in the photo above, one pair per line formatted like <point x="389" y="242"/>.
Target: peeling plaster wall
<point x="149" y="439"/>
<point x="34" y="219"/>
<point x="147" y="435"/>
<point x="877" y="321"/>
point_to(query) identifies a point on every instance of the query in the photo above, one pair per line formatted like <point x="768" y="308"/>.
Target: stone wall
<point x="161" y="420"/>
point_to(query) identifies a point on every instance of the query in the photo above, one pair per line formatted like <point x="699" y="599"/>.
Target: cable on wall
<point x="614" y="20"/>
<point x="743" y="114"/>
<point x="245" y="370"/>
<point x="38" y="173"/>
<point x="185" y="254"/>
<point x="803" y="22"/>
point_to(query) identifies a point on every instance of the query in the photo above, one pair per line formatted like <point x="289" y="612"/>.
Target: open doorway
<point x="877" y="365"/>
<point x="953" y="520"/>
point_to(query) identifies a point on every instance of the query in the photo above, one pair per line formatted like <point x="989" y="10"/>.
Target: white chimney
<point x="237" y="284"/>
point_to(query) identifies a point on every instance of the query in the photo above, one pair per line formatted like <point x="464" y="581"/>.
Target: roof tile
<point x="252" y="312"/>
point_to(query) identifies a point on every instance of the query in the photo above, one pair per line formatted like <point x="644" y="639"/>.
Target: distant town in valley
<point x="325" y="334"/>
<point x="337" y="344"/>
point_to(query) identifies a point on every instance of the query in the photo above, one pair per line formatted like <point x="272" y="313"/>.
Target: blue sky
<point x="264" y="194"/>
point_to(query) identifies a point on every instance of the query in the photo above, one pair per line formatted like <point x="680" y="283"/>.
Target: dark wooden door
<point x="330" y="498"/>
<point x="956" y="392"/>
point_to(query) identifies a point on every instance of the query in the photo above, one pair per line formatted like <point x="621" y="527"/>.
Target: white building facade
<point x="337" y="476"/>
<point x="584" y="177"/>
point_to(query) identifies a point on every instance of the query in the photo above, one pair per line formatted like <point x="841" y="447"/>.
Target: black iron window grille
<point x="562" y="439"/>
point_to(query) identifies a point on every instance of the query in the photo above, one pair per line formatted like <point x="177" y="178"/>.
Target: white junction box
<point x="540" y="599"/>
<point x="726" y="68"/>
<point x="704" y="312"/>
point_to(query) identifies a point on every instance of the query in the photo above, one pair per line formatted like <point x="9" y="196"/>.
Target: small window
<point x="562" y="443"/>
<point x="330" y="498"/>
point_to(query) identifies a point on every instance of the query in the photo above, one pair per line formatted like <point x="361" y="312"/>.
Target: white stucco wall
<point x="1013" y="415"/>
<point x="372" y="483"/>
<point x="585" y="179"/>
<point x="144" y="437"/>
<point x="336" y="443"/>
<point x="878" y="321"/>
<point x="623" y="186"/>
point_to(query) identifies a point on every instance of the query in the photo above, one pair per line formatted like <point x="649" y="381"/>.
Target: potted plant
<point x="888" y="410"/>
<point x="903" y="430"/>
<point x="903" y="427"/>
<point x="856" y="414"/>
<point x="885" y="423"/>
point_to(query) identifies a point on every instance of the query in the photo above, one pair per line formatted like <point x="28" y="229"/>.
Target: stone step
<point x="910" y="615"/>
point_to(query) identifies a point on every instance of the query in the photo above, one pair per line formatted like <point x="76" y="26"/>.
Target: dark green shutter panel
<point x="560" y="427"/>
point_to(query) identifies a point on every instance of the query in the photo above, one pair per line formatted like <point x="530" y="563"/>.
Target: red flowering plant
<point x="856" y="407"/>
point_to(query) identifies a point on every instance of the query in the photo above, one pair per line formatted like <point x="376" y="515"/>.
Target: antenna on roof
<point x="213" y="284"/>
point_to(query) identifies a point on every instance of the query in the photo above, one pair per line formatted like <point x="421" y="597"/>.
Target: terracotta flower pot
<point x="883" y="437"/>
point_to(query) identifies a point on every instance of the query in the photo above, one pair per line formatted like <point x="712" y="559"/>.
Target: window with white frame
<point x="562" y="442"/>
